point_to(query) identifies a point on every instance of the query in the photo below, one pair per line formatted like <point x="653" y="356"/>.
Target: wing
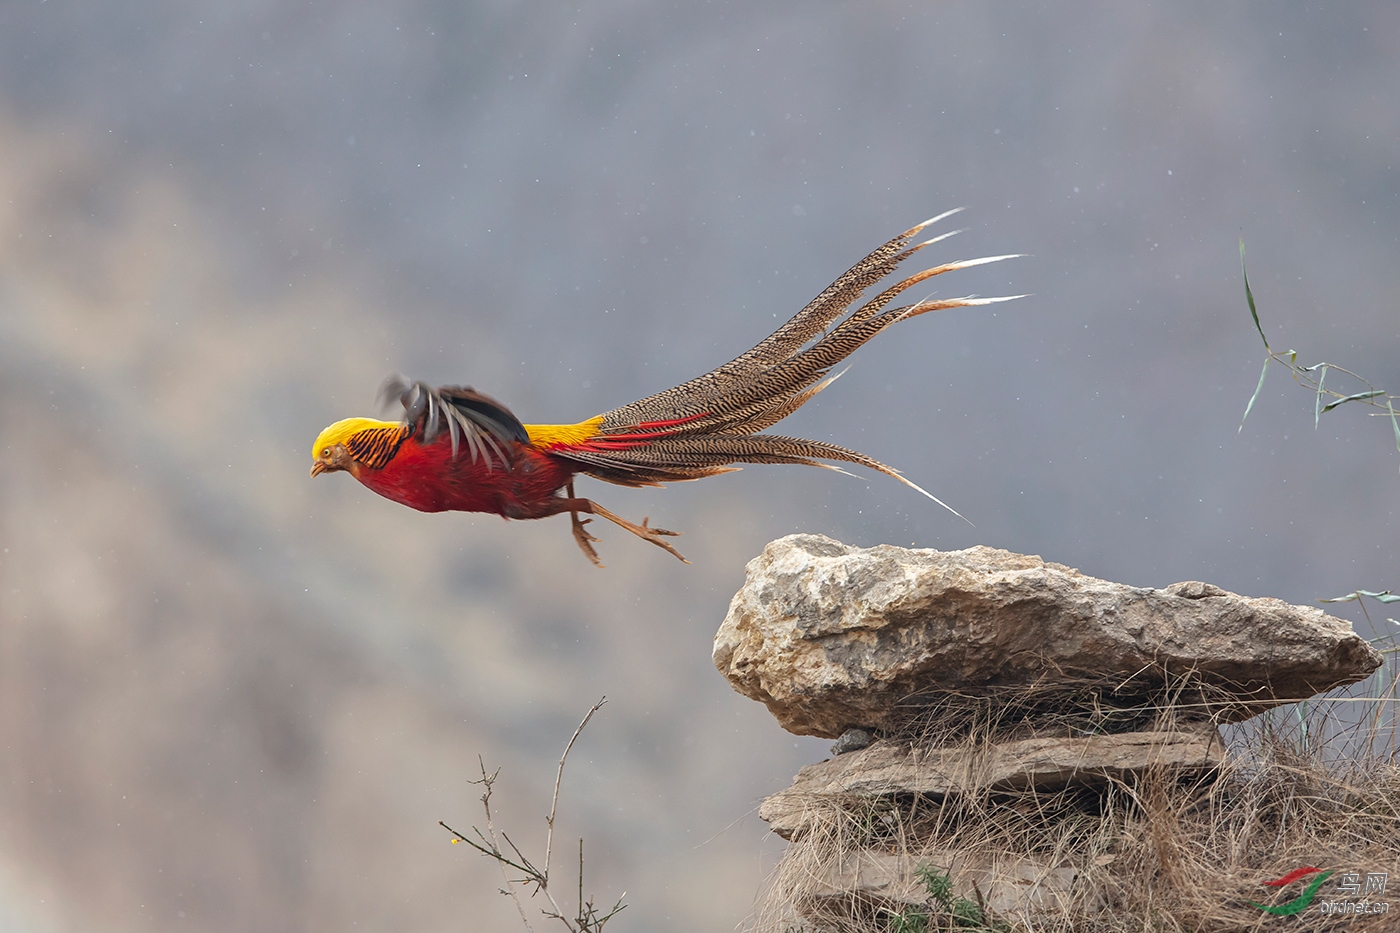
<point x="482" y="424"/>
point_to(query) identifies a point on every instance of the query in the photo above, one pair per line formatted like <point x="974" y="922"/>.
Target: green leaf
<point x="1384" y="596"/>
<point x="1317" y="406"/>
<point x="1264" y="372"/>
<point x="1249" y="297"/>
<point x="1371" y="393"/>
<point x="1395" y="425"/>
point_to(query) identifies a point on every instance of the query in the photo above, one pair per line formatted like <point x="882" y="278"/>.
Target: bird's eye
<point x="326" y="452"/>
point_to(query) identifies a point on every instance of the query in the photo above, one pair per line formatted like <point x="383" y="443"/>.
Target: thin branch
<point x="587" y="918"/>
<point x="559" y="778"/>
<point x="537" y="877"/>
<point x="487" y="780"/>
<point x="484" y="849"/>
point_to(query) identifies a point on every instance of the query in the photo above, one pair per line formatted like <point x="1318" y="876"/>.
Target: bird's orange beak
<point x="318" y="468"/>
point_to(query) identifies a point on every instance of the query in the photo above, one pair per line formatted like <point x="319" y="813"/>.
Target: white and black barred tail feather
<point x="812" y="320"/>
<point x="778" y="412"/>
<point x="608" y="469"/>
<point x="758" y="382"/>
<point x="713" y="419"/>
<point x="681" y="458"/>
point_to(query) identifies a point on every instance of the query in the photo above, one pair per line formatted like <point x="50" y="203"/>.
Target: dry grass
<point x="1067" y="703"/>
<point x="1302" y="786"/>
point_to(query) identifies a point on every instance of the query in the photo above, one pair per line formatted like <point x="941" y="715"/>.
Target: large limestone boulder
<point x="832" y="637"/>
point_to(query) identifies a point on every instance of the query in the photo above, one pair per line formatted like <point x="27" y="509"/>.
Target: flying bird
<point x="457" y="449"/>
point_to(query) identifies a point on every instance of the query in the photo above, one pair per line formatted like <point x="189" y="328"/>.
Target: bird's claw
<point x="584" y="539"/>
<point x="656" y="531"/>
<point x="656" y="536"/>
<point x="578" y="528"/>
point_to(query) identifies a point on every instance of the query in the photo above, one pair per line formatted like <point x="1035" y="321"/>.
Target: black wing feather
<point x="485" y="425"/>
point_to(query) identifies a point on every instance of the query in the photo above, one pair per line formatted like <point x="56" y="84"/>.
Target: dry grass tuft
<point x="1312" y="785"/>
<point x="1069" y="703"/>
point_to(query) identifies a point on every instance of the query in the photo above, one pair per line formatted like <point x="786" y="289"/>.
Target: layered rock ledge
<point x="1036" y="764"/>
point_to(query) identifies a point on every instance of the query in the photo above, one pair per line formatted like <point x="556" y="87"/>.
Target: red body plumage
<point x="429" y="478"/>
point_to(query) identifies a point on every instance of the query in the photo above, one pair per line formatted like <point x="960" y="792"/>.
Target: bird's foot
<point x="656" y="536"/>
<point x="657" y="531"/>
<point x="584" y="539"/>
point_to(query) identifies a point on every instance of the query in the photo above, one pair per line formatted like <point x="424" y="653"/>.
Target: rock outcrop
<point x="990" y="706"/>
<point x="831" y="637"/>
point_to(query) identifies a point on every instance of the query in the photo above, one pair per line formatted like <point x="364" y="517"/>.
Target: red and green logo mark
<point x="1301" y="902"/>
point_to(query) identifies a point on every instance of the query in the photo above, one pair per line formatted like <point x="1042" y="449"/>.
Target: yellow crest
<point x="342" y="431"/>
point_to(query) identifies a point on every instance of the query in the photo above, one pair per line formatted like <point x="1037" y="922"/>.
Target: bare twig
<point x="587" y="919"/>
<point x="494" y="850"/>
<point x="559" y="778"/>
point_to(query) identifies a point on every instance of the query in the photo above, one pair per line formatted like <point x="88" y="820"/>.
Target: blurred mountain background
<point x="235" y="699"/>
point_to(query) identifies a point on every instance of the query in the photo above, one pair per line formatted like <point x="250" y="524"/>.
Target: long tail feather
<point x="812" y="320"/>
<point x="697" y="428"/>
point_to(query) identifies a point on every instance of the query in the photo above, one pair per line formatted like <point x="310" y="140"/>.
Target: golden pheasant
<point x="457" y="449"/>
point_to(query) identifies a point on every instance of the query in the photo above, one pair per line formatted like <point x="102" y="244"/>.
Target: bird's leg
<point x="583" y="538"/>
<point x="643" y="531"/>
<point x="573" y="505"/>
